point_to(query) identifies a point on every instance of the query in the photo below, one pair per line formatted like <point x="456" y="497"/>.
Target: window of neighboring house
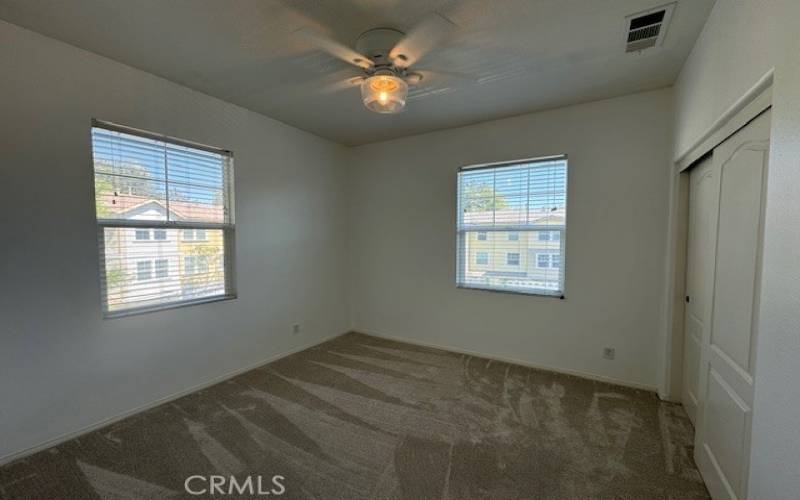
<point x="190" y="265"/>
<point x="511" y="198"/>
<point x="162" y="267"/>
<point x="482" y="258"/>
<point x="194" y="235"/>
<point x="177" y="190"/>
<point x="144" y="270"/>
<point x="543" y="260"/>
<point x="195" y="264"/>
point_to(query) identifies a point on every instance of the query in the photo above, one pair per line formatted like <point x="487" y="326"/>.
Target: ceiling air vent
<point x="647" y="29"/>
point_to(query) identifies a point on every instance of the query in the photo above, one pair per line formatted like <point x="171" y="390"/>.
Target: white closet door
<point x="726" y="376"/>
<point x="703" y="204"/>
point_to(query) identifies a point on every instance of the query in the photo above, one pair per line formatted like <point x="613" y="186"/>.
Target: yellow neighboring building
<point x="525" y="258"/>
<point x="202" y="268"/>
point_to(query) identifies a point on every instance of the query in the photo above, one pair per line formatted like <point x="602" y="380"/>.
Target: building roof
<point x="127" y="206"/>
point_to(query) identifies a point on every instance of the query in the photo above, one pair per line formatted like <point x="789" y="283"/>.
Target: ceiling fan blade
<point x="421" y="39"/>
<point x="334" y="48"/>
<point x="439" y="75"/>
<point x="342" y="85"/>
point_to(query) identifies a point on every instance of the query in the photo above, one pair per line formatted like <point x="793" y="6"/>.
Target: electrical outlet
<point x="609" y="352"/>
<point x="295" y="329"/>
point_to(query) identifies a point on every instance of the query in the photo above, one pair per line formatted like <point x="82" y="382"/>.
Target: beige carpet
<point x="366" y="418"/>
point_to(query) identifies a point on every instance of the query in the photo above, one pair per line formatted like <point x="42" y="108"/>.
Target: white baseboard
<point x="121" y="416"/>
<point x="538" y="366"/>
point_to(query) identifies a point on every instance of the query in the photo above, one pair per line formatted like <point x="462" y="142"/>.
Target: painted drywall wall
<point x="57" y="355"/>
<point x="731" y="54"/>
<point x="741" y="41"/>
<point x="402" y="248"/>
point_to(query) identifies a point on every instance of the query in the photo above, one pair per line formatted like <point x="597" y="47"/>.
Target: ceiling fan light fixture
<point x="384" y="93"/>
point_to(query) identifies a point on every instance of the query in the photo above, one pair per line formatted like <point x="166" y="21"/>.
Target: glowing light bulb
<point x="384" y="92"/>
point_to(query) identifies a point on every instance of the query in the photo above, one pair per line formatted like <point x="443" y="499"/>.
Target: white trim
<point x="757" y="99"/>
<point x="515" y="361"/>
<point x="748" y="107"/>
<point x="165" y="399"/>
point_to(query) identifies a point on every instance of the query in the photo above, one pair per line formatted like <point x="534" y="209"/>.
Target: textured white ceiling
<point x="524" y="55"/>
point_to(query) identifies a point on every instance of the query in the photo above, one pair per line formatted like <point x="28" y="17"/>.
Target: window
<point x="512" y="259"/>
<point x="144" y="270"/>
<point x="195" y="264"/>
<point x="526" y="196"/>
<point x="543" y="260"/>
<point x="549" y="236"/>
<point x="178" y="192"/>
<point x="162" y="267"/>
<point x="194" y="235"/>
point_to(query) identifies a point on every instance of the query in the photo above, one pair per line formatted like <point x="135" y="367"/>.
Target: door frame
<point x="754" y="102"/>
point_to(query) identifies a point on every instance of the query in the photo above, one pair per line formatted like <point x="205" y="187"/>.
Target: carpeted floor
<point x="366" y="418"/>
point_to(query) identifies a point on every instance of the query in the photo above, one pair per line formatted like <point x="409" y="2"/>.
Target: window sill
<point x="538" y="293"/>
<point x="161" y="307"/>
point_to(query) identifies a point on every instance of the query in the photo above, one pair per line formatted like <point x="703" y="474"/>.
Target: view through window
<point x="512" y="220"/>
<point x="165" y="222"/>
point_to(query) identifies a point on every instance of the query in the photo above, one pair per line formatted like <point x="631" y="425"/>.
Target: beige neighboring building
<point x="145" y="265"/>
<point x="529" y="259"/>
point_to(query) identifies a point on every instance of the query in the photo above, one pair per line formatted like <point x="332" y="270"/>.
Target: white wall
<point x="402" y="216"/>
<point x="740" y="42"/>
<point x="57" y="355"/>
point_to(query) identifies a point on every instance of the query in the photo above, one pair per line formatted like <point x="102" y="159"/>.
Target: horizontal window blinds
<point x="165" y="220"/>
<point x="511" y="226"/>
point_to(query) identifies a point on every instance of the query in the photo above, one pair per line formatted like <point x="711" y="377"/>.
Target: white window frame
<point x="477" y="258"/>
<point x="462" y="233"/>
<point x="227" y="228"/>
<point x="508" y="259"/>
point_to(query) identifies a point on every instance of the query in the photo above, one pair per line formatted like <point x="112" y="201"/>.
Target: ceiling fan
<point x="385" y="56"/>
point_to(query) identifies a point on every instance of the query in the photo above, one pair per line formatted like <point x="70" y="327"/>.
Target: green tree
<point x="102" y="187"/>
<point x="126" y="178"/>
<point x="482" y="198"/>
<point x="211" y="255"/>
<point x="115" y="278"/>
